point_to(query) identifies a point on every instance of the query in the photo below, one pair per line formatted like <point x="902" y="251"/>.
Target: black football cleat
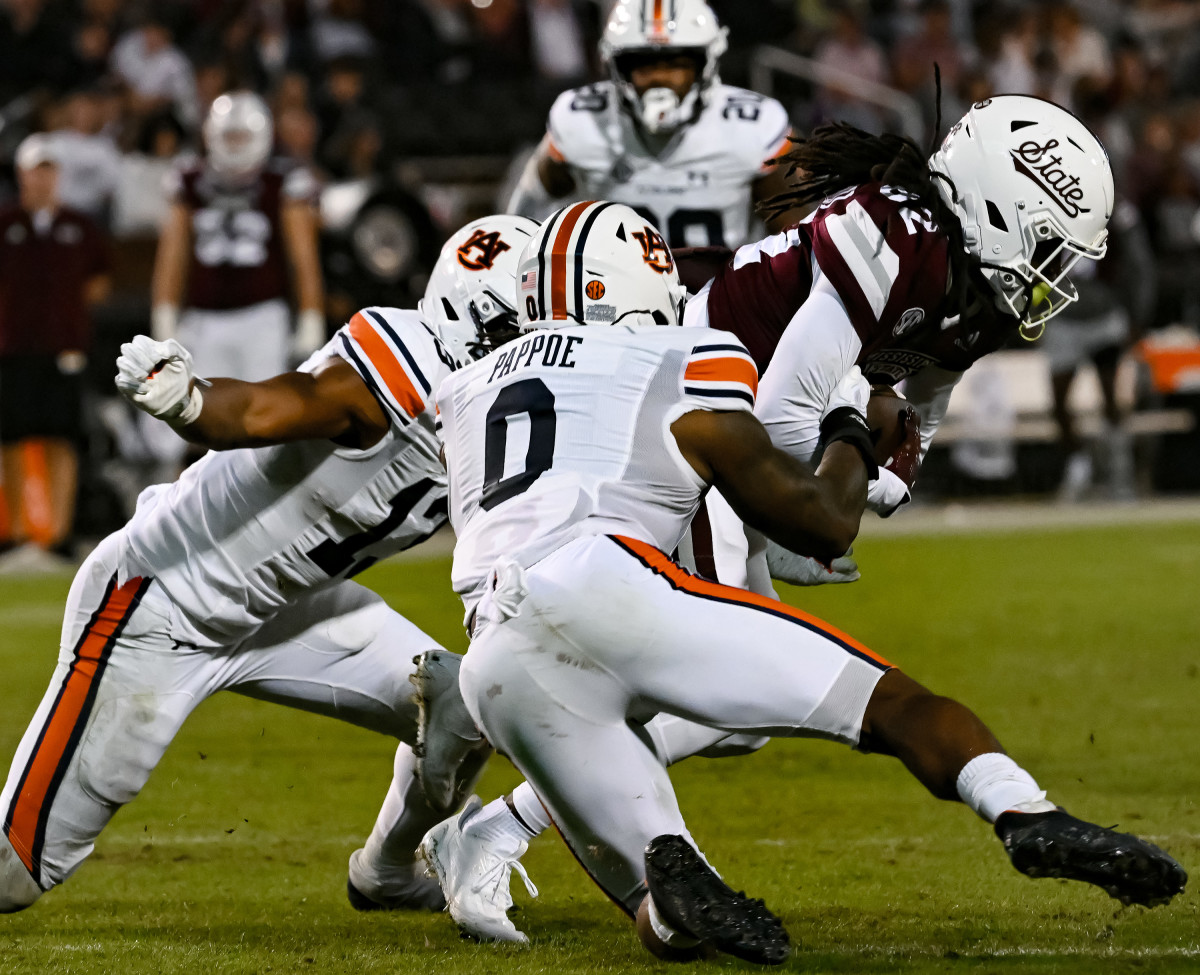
<point x="691" y="898"/>
<point x="1056" y="844"/>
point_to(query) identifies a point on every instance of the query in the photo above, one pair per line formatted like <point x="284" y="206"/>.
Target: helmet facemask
<point x="660" y="110"/>
<point x="238" y="135"/>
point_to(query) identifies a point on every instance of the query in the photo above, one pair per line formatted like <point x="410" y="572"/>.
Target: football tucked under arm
<point x="896" y="432"/>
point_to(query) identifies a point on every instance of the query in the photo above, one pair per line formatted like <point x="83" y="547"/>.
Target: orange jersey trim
<point x="769" y="161"/>
<point x="680" y="578"/>
<point x="558" y="259"/>
<point x="389" y="368"/>
<point x="25" y="824"/>
<point x="724" y="370"/>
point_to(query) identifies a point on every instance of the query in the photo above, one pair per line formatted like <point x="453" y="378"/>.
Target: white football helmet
<point x="1033" y="189"/>
<point x="238" y="134"/>
<point x="597" y="263"/>
<point x="653" y="30"/>
<point x="471" y="296"/>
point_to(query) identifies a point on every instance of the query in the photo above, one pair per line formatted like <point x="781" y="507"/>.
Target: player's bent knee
<point x="892" y="705"/>
<point x="125" y="740"/>
<point x="17" y="888"/>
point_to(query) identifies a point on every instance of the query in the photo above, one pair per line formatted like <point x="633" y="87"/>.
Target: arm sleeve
<point x="929" y="393"/>
<point x="817" y="349"/>
<point x="377" y="351"/>
<point x="719" y="375"/>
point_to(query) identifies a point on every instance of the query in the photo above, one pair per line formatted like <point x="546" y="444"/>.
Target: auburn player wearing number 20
<point x="662" y="134"/>
<point x="236" y="577"/>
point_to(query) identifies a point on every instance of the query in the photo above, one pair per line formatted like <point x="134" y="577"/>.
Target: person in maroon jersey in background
<point x="240" y="235"/>
<point x="53" y="268"/>
<point x="911" y="269"/>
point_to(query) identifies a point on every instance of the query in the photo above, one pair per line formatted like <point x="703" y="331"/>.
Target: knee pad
<point x="17" y="888"/>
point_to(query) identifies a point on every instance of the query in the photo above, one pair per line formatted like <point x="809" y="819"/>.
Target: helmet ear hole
<point x="996" y="218"/>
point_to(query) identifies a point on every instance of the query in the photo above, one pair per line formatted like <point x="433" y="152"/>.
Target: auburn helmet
<point x="598" y="263"/>
<point x="470" y="296"/>
<point x="642" y="31"/>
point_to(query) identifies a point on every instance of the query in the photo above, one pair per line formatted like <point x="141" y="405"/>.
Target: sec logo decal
<point x="594" y="290"/>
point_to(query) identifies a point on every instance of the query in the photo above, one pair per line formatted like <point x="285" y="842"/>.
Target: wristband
<point x="164" y="322"/>
<point x="191" y="409"/>
<point x="848" y="425"/>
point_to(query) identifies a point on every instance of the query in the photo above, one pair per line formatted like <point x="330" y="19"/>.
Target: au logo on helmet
<point x="479" y="251"/>
<point x="655" y="251"/>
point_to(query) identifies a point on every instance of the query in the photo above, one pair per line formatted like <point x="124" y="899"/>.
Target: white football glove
<point x="853" y="391"/>
<point x="800" y="570"/>
<point x="157" y="377"/>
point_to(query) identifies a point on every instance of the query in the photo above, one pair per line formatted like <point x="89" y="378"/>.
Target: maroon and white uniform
<point x="237" y="320"/>
<point x="862" y="280"/>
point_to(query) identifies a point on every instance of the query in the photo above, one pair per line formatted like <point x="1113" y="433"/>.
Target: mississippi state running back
<point x="662" y="133"/>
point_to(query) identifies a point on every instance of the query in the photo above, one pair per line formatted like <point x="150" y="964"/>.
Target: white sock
<point x="495" y="821"/>
<point x="993" y="783"/>
<point x="529" y="807"/>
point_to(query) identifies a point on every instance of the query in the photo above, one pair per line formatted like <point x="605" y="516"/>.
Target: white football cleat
<point x="474" y="867"/>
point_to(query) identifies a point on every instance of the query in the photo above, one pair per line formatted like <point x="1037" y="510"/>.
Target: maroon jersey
<point x="237" y="248"/>
<point x="42" y="281"/>
<point x="889" y="264"/>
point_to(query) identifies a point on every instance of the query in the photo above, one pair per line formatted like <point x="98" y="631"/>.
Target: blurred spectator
<point x="913" y="57"/>
<point x="559" y="46"/>
<point x="35" y="49"/>
<point x="1116" y="298"/>
<point x="1009" y="41"/>
<point x="1080" y="50"/>
<point x="848" y="49"/>
<point x="90" y="164"/>
<point x="141" y="203"/>
<point x="157" y="73"/>
<point x="339" y="30"/>
<point x="53" y="269"/>
<point x="94" y="36"/>
<point x="350" y="128"/>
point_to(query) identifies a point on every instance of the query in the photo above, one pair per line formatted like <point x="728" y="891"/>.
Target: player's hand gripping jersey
<point x="243" y="532"/>
<point x="567" y="456"/>
<point x="697" y="189"/>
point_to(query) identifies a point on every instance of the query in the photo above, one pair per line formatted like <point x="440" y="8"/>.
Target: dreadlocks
<point x="837" y="156"/>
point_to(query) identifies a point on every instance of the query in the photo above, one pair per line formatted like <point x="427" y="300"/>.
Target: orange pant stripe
<point x="25" y="823"/>
<point x="680" y="578"/>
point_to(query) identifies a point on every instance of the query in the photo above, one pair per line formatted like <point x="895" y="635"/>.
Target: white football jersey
<point x="566" y="433"/>
<point x="697" y="191"/>
<point x="243" y="532"/>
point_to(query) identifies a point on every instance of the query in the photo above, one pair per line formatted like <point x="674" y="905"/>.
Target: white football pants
<point x="123" y="687"/>
<point x="612" y="632"/>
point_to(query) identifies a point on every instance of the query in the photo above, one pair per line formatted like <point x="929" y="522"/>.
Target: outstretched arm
<point x="330" y="403"/>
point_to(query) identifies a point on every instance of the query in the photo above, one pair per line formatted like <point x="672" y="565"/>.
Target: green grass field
<point x="1079" y="647"/>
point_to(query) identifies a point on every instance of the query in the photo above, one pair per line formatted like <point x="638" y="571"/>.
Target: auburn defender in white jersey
<point x="576" y="457"/>
<point x="663" y="134"/>
<point x="236" y="577"/>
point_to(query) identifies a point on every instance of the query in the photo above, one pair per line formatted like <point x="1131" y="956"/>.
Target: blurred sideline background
<point x="417" y="115"/>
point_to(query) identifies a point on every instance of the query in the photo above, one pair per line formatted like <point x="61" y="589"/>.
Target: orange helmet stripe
<point x="558" y="259"/>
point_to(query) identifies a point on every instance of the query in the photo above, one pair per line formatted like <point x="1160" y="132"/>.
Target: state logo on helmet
<point x="238" y="135"/>
<point x="470" y="299"/>
<point x="1033" y="189"/>
<point x="643" y="32"/>
<point x="598" y="263"/>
